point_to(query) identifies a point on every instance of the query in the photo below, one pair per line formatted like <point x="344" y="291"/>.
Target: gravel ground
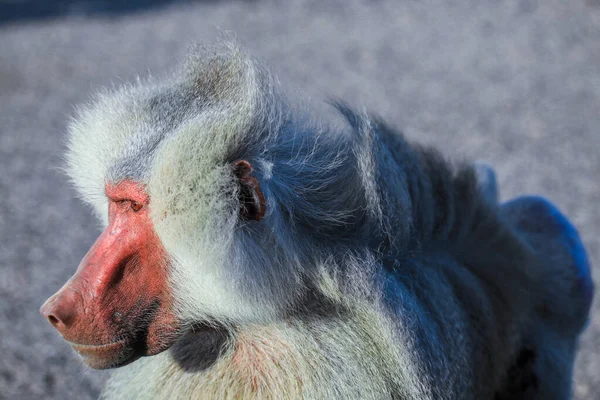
<point x="514" y="83"/>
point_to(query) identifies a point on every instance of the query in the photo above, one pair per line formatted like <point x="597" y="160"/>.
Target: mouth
<point x="86" y="348"/>
<point x="107" y="355"/>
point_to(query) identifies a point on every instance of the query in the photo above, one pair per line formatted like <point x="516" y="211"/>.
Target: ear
<point x="252" y="201"/>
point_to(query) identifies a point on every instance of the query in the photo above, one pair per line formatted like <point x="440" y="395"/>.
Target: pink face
<point x="118" y="306"/>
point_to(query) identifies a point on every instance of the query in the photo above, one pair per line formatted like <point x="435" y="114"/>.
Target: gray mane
<point x="331" y="192"/>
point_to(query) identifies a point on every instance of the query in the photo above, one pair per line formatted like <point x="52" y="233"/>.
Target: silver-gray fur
<point x="379" y="270"/>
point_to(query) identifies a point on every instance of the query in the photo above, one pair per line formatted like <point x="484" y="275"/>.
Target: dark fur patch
<point x="521" y="378"/>
<point x="200" y="348"/>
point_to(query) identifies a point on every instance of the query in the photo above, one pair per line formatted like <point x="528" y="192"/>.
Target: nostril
<point x="53" y="320"/>
<point x="60" y="312"/>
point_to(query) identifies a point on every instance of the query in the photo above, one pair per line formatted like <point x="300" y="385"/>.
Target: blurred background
<point x="514" y="83"/>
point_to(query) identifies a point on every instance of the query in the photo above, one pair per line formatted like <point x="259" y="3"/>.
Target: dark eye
<point x="135" y="206"/>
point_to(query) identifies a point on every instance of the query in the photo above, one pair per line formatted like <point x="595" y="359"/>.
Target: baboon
<point x="251" y="252"/>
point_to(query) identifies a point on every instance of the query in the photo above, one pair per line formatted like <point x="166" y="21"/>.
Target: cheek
<point x="158" y="296"/>
<point x="141" y="300"/>
<point x="155" y="295"/>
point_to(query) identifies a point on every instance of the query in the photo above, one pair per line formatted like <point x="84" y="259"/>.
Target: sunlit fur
<point x="379" y="270"/>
